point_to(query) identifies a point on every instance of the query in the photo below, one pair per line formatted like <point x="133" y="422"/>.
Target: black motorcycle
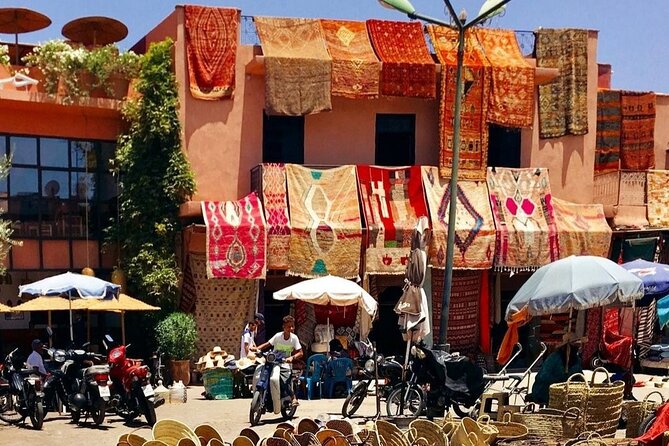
<point x="262" y="401"/>
<point x="21" y="396"/>
<point x="389" y="376"/>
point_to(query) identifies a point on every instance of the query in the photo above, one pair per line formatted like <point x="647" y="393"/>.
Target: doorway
<point x="386" y="332"/>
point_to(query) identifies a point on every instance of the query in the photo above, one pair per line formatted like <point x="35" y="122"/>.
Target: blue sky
<point x="633" y="35"/>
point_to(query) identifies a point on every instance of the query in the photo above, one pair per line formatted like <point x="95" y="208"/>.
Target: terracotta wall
<point x="570" y="159"/>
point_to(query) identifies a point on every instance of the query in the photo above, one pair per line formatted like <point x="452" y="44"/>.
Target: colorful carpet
<point x="298" y="68"/>
<point x="325" y="219"/>
<point x="606" y="188"/>
<point x="563" y="104"/>
<point x="512" y="84"/>
<point x="392" y="201"/>
<point x="356" y="72"/>
<point x="475" y="99"/>
<point x="463" y="314"/>
<point x="637" y="146"/>
<point x="230" y="300"/>
<point x="236" y="238"/>
<point x="607" y="148"/>
<point x="211" y="50"/>
<point x="407" y="67"/>
<point x="582" y="229"/>
<point x="275" y="201"/>
<point x="593" y="331"/>
<point x="523" y="213"/>
<point x="657" y="185"/>
<point x="632" y="188"/>
<point x="475" y="228"/>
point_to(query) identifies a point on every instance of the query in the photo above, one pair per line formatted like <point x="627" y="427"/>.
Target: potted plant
<point x="61" y="67"/>
<point x="111" y="71"/>
<point x="5" y="62"/>
<point x="176" y="336"/>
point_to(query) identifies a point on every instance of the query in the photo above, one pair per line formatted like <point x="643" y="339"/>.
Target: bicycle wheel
<point x="409" y="401"/>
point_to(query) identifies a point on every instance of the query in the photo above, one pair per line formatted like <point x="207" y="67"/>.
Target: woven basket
<point x="391" y="435"/>
<point x="587" y="439"/>
<point x="550" y="423"/>
<point x="508" y="430"/>
<point x="431" y="432"/>
<point x="530" y="441"/>
<point x="637" y="411"/>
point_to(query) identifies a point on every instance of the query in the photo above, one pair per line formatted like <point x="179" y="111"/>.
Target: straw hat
<point x="171" y="431"/>
<point x="207" y="432"/>
<point x="307" y="425"/>
<point x="289" y="427"/>
<point x="242" y="441"/>
<point x="217" y="351"/>
<point x="229" y="358"/>
<point x="209" y="364"/>
<point x="188" y="442"/>
<point x="244" y="363"/>
<point x="135" y="440"/>
<point x="215" y="442"/>
<point x="306" y="439"/>
<point x="250" y="434"/>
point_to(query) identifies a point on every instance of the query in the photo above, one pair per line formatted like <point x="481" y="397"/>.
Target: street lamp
<point x="489" y="9"/>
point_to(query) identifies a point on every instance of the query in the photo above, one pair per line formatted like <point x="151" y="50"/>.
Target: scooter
<point x="22" y="393"/>
<point x="264" y="394"/>
<point x="133" y="393"/>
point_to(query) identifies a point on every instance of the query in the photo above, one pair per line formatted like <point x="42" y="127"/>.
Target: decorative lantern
<point x="88" y="271"/>
<point x="118" y="277"/>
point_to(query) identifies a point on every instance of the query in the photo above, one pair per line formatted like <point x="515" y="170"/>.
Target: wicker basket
<point x="390" y="434"/>
<point x="637" y="411"/>
<point x="426" y="430"/>
<point x="550" y="423"/>
<point x="508" y="430"/>
<point x="530" y="441"/>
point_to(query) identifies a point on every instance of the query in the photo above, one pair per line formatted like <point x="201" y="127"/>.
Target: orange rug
<point x="637" y="145"/>
<point x="512" y="85"/>
<point x="582" y="229"/>
<point x="298" y="68"/>
<point x="356" y="71"/>
<point x="211" y="49"/>
<point x="408" y="69"/>
<point x="607" y="146"/>
<point x="474" y="111"/>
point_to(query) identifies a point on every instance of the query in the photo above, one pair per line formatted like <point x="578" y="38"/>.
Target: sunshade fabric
<point x="76" y="285"/>
<point x="655" y="276"/>
<point x="577" y="282"/>
<point x="5" y="309"/>
<point x="49" y="303"/>
<point x="123" y="303"/>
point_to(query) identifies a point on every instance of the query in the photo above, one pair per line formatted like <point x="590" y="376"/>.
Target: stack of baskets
<point x="600" y="403"/>
<point x="218" y="384"/>
<point x="550" y="423"/>
<point x="637" y="411"/>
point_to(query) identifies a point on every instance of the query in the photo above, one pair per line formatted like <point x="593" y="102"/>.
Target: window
<point x="283" y="139"/>
<point x="395" y="140"/>
<point x="504" y="147"/>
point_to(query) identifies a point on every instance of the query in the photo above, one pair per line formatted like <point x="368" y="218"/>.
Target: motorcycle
<point x="21" y="393"/>
<point x="133" y="393"/>
<point x="264" y="395"/>
<point x="389" y="376"/>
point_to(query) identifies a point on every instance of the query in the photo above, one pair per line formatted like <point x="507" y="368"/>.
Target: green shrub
<point x="176" y="336"/>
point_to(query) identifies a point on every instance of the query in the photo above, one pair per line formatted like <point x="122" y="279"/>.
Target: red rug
<point x="407" y="67"/>
<point x="637" y="151"/>
<point x="236" y="238"/>
<point x="211" y="49"/>
<point x="607" y="148"/>
<point x="392" y="201"/>
<point x="275" y="201"/>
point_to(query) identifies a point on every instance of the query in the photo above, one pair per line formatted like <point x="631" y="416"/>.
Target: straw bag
<point x="601" y="403"/>
<point x="550" y="423"/>
<point x="472" y="433"/>
<point x="637" y="411"/>
<point x="508" y="430"/>
<point x="431" y="432"/>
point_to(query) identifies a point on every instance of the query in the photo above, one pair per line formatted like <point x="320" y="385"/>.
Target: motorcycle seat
<point x="96" y="370"/>
<point x="27" y="372"/>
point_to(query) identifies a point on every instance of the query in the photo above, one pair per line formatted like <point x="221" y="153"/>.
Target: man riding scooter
<point x="286" y="344"/>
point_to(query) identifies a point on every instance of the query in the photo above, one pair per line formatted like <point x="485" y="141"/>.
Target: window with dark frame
<point x="283" y="139"/>
<point x="395" y="140"/>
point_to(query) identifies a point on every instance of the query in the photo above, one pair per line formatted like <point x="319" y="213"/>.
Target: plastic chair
<point x="338" y="370"/>
<point x="312" y="374"/>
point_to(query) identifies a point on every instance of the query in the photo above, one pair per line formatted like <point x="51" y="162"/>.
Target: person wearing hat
<point x="35" y="360"/>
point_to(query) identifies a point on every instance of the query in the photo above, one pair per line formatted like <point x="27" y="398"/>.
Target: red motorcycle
<point x="133" y="393"/>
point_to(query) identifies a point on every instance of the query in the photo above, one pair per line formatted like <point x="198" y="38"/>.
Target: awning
<point x="123" y="303"/>
<point x="582" y="229"/>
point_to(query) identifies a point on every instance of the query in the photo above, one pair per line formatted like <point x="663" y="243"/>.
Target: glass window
<point x="55" y="184"/>
<point x="107" y="153"/>
<point x="283" y="139"/>
<point x="23" y="181"/>
<point x="395" y="140"/>
<point x="23" y="150"/>
<point x="83" y="154"/>
<point x="83" y="185"/>
<point x="54" y="152"/>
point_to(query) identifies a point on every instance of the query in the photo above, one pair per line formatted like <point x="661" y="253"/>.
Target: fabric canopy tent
<point x="333" y="290"/>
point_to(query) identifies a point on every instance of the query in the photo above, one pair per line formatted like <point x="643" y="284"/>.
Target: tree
<point x="6" y="231"/>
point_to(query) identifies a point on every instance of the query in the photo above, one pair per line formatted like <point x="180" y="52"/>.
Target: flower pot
<point x="119" y="87"/>
<point x="180" y="371"/>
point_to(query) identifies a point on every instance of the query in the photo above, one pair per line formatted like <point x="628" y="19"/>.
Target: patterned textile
<point x="463" y="314"/>
<point x="275" y="202"/>
<point x="645" y="328"/>
<point x="523" y="212"/>
<point x="637" y="151"/>
<point x="222" y="308"/>
<point x="298" y="68"/>
<point x="563" y="104"/>
<point x="607" y="149"/>
<point x="392" y="201"/>
<point x="305" y="322"/>
<point x="325" y="220"/>
<point x="211" y="50"/>
<point x="512" y="88"/>
<point x="593" y="331"/>
<point x="474" y="111"/>
<point x="407" y="67"/>
<point x="606" y="188"/>
<point x="582" y="229"/>
<point x="632" y="188"/>
<point x="657" y="185"/>
<point x="475" y="228"/>
<point x="236" y="238"/>
<point x="356" y="71"/>
<point x="188" y="292"/>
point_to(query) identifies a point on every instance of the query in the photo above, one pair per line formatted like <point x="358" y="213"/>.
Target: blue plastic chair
<point x="338" y="370"/>
<point x="313" y="373"/>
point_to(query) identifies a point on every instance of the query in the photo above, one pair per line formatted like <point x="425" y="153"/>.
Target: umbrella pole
<point x="16" y="48"/>
<point x="404" y="370"/>
<point x="71" y="328"/>
<point x="123" y="327"/>
<point x="48" y="323"/>
<point x="566" y="363"/>
<point x="88" y="325"/>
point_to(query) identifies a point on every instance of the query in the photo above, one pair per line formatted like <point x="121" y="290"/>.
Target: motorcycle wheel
<point x="9" y="414"/>
<point x="288" y="411"/>
<point x="148" y="410"/>
<point x="37" y="414"/>
<point x="76" y="416"/>
<point x="98" y="416"/>
<point x="414" y="402"/>
<point x="463" y="411"/>
<point x="353" y="402"/>
<point x="256" y="408"/>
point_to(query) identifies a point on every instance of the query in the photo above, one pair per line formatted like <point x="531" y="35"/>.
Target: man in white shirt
<point x="248" y="339"/>
<point x="35" y="360"/>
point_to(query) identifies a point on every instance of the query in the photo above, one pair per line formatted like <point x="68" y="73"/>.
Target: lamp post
<point x="489" y="9"/>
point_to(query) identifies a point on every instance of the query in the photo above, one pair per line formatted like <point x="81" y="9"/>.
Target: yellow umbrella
<point x="49" y="304"/>
<point x="121" y="305"/>
<point x="5" y="309"/>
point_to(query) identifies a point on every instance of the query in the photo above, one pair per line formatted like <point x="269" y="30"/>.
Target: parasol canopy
<point x="578" y="283"/>
<point x="123" y="303"/>
<point x="50" y="303"/>
<point x="95" y="31"/>
<point x="72" y="284"/>
<point x="5" y="309"/>
<point x="21" y="20"/>
<point x="333" y="290"/>
<point x="655" y="276"/>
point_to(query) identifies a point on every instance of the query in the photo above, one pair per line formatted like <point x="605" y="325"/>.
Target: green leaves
<point x="176" y="335"/>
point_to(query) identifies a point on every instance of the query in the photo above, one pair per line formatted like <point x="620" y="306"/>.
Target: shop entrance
<point x="385" y="331"/>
